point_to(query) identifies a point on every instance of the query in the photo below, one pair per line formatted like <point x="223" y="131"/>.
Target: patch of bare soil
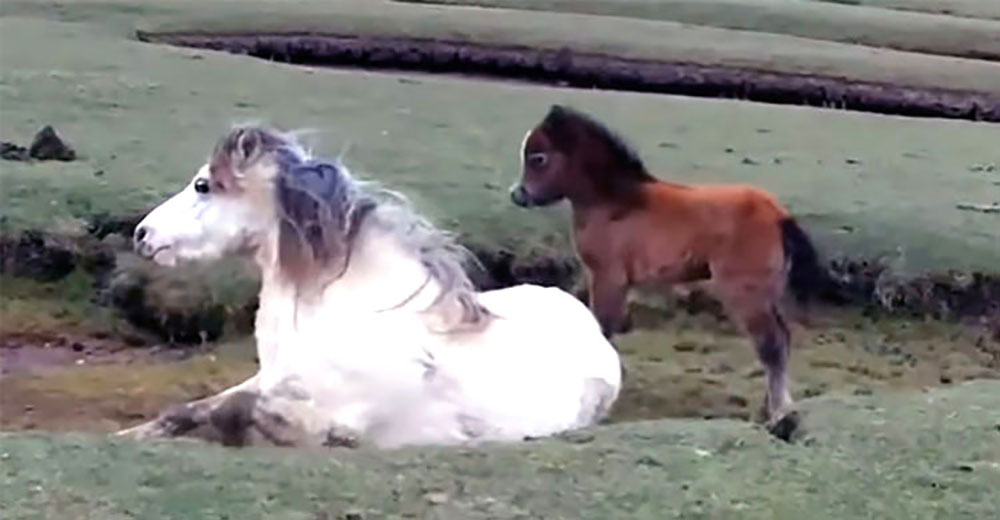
<point x="86" y="383"/>
<point x="40" y="354"/>
<point x="591" y="70"/>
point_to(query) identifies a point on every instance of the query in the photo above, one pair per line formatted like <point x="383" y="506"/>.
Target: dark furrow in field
<point x="589" y="70"/>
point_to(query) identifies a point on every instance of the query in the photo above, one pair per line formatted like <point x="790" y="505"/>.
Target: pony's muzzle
<point x="139" y="243"/>
<point x="140" y="233"/>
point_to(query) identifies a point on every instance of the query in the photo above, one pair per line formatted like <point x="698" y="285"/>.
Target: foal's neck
<point x="609" y="187"/>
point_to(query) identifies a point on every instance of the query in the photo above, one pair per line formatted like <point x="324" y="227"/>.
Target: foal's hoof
<point x="786" y="427"/>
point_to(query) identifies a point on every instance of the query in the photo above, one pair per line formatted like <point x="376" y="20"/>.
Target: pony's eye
<point x="537" y="160"/>
<point x="201" y="186"/>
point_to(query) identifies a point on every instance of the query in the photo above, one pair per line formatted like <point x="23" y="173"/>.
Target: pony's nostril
<point x="140" y="233"/>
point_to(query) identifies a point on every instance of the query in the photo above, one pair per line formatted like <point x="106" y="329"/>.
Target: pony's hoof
<point x="786" y="427"/>
<point x="140" y="432"/>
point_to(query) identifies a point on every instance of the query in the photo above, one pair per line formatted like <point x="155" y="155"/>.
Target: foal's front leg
<point x="608" y="293"/>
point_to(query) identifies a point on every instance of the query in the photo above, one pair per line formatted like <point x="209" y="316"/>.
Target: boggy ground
<point x="679" y="365"/>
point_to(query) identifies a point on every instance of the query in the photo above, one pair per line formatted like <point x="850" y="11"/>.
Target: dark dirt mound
<point x="37" y="256"/>
<point x="502" y="268"/>
<point x="13" y="152"/>
<point x="591" y="70"/>
<point x="46" y="146"/>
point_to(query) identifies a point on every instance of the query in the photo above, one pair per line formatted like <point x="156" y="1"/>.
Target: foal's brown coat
<point x="631" y="229"/>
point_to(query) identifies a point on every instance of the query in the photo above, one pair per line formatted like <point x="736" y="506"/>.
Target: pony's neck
<point x="381" y="275"/>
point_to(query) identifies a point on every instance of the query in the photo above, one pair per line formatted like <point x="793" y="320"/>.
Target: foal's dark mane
<point x="564" y="125"/>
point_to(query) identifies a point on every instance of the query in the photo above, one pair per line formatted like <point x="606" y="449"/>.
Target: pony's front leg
<point x="185" y="418"/>
<point x="608" y="292"/>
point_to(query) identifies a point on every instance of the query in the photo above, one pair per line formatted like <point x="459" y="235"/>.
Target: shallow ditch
<point x="565" y="67"/>
<point x="183" y="311"/>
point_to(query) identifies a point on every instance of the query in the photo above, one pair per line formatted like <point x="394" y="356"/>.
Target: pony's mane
<point x="558" y="125"/>
<point x="322" y="209"/>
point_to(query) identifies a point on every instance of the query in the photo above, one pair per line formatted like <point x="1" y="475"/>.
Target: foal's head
<point x="571" y="155"/>
<point x="258" y="189"/>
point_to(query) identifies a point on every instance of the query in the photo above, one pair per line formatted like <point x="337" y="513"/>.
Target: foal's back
<point x="682" y="232"/>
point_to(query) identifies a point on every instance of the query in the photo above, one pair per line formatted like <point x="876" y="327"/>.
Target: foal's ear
<point x="558" y="110"/>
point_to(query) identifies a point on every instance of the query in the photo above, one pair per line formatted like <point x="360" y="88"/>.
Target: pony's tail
<point x="806" y="275"/>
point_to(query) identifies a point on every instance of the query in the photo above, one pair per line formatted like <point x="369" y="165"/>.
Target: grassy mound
<point x="887" y="455"/>
<point x="909" y="31"/>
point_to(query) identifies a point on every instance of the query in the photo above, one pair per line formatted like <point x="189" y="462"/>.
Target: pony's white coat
<point x="352" y="359"/>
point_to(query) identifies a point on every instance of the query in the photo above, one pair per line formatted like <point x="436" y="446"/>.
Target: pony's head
<point x="261" y="193"/>
<point x="226" y="207"/>
<point x="259" y="189"/>
<point x="571" y="155"/>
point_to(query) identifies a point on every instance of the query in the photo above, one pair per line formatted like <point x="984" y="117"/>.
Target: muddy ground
<point x="590" y="70"/>
<point x="680" y="363"/>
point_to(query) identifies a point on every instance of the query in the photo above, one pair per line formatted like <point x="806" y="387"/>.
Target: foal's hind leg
<point x="771" y="340"/>
<point x="753" y="308"/>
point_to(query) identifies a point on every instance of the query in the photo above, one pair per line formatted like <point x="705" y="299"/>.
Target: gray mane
<point x="322" y="208"/>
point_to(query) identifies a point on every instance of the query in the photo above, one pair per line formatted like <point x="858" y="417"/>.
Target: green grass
<point x="967" y="8"/>
<point x="643" y="39"/>
<point x="909" y="31"/>
<point x="146" y="115"/>
<point x="915" y="456"/>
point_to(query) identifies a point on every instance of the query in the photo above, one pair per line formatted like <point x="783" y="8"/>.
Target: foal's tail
<point x="806" y="275"/>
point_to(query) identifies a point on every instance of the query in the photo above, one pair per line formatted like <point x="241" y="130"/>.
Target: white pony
<point x="369" y="330"/>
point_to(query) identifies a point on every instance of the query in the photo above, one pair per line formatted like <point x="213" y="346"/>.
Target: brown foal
<point x="631" y="229"/>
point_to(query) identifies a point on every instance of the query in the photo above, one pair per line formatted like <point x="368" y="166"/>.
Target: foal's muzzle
<point x="519" y="196"/>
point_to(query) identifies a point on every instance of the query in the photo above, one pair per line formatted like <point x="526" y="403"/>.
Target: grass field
<point x="623" y="37"/>
<point x="860" y="163"/>
<point x="864" y="457"/>
<point x="143" y="117"/>
<point x="903" y="30"/>
<point x="983" y="9"/>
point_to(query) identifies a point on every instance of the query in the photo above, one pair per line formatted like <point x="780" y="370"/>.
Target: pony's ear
<point x="237" y="151"/>
<point x="249" y="142"/>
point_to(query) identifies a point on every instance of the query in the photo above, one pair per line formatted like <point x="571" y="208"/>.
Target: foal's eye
<point x="201" y="186"/>
<point x="537" y="160"/>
